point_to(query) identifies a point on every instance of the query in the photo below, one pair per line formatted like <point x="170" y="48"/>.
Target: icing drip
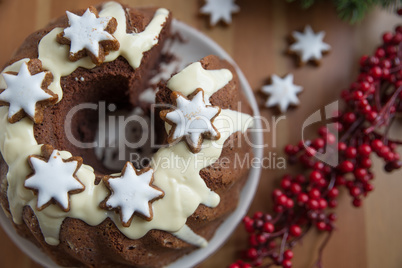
<point x="194" y="76"/>
<point x="176" y="169"/>
<point x="187" y="235"/>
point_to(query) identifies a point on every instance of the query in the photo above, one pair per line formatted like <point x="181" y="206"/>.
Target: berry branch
<point x="302" y="202"/>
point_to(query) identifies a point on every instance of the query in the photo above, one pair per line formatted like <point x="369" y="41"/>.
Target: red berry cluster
<point x="302" y="201"/>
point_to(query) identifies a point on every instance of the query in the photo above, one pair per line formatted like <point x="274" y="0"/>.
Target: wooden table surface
<point x="366" y="237"/>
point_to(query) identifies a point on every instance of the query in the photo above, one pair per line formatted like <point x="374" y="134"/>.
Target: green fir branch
<point x="354" y="10"/>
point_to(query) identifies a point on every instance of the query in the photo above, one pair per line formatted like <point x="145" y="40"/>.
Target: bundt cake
<point x="54" y="187"/>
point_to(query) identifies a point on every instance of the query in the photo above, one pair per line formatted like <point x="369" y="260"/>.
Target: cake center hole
<point x="124" y="135"/>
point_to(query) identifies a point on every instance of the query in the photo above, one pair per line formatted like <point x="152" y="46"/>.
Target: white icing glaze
<point x="23" y="91"/>
<point x="194" y="76"/>
<point x="220" y="10"/>
<point x="187" y="235"/>
<point x="193" y="118"/>
<point x="132" y="45"/>
<point x="309" y="45"/>
<point x="86" y="31"/>
<point x="131" y="193"/>
<point x="176" y="169"/>
<point x="53" y="179"/>
<point x="282" y="92"/>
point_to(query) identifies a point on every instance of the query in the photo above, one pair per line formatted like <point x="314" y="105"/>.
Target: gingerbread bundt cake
<point x="55" y="189"/>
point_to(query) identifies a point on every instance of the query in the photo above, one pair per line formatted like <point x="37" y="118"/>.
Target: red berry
<point x="258" y="215"/>
<point x="384" y="151"/>
<point x="376" y="72"/>
<point x="318" y="166"/>
<point x="331" y="139"/>
<point x="252" y="240"/>
<point x="355" y="191"/>
<point x="286" y="183"/>
<point x="289" y="203"/>
<point x="289" y="149"/>
<point x="300" y="179"/>
<point x="314" y="193"/>
<point x="387" y="37"/>
<point x="252" y="253"/>
<point x="258" y="224"/>
<point x="322" y="183"/>
<point x="364" y="149"/>
<point x="286" y="264"/>
<point x="342" y="146"/>
<point x="318" y="143"/>
<point x="295" y="188"/>
<point x="288" y="254"/>
<point x="374" y="60"/>
<point x="322" y="203"/>
<point x="235" y="265"/>
<point x="363" y="60"/>
<point x="310" y="151"/>
<point x="368" y="187"/>
<point x="366" y="162"/>
<point x="346" y="166"/>
<point x="261" y="239"/>
<point x="249" y="226"/>
<point x="389" y="156"/>
<point x="268" y="227"/>
<point x="340" y="180"/>
<point x="278" y="209"/>
<point x="302" y="198"/>
<point x="386" y="63"/>
<point x="349" y="117"/>
<point x="323" y="131"/>
<point x="315" y="176"/>
<point x="391" y="50"/>
<point x="366" y="109"/>
<point x="322" y="226"/>
<point x="380" y="52"/>
<point x="357" y="202"/>
<point x="333" y="203"/>
<point x="397" y="38"/>
<point x="332" y="217"/>
<point x="357" y="95"/>
<point x="334" y="192"/>
<point x="371" y="116"/>
<point x="295" y="230"/>
<point x="364" y="86"/>
<point x="313" y="204"/>
<point x="377" y="145"/>
<point x="276" y="193"/>
<point x="281" y="200"/>
<point x="351" y="152"/>
<point x="360" y="173"/>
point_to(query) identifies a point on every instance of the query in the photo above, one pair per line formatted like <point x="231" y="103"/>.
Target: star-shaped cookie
<point x="131" y="193"/>
<point x="220" y="10"/>
<point x="192" y="120"/>
<point x="282" y="92"/>
<point x="309" y="46"/>
<point x="54" y="178"/>
<point x="27" y="92"/>
<point x="89" y="35"/>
